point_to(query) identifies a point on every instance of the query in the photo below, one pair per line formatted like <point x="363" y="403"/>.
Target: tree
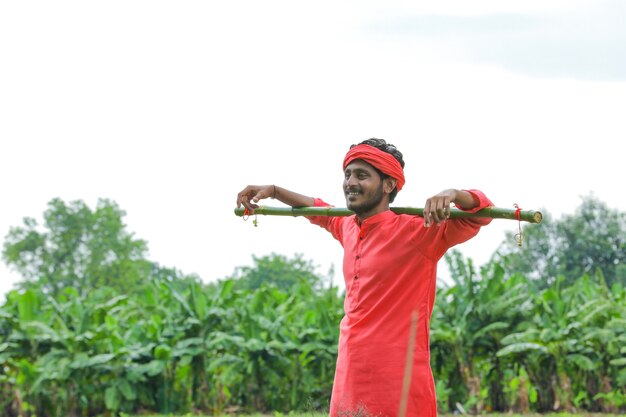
<point x="277" y="270"/>
<point x="78" y="247"/>
<point x="593" y="238"/>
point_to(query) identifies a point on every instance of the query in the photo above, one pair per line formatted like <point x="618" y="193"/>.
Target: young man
<point x="390" y="267"/>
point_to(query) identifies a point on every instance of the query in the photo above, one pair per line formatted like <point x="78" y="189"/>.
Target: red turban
<point x="381" y="160"/>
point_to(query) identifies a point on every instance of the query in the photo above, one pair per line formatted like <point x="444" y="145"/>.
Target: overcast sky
<point x="170" y="108"/>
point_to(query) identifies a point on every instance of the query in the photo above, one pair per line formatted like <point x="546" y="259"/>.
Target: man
<point x="390" y="267"/>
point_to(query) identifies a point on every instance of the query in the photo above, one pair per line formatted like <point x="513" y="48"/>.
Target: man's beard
<point x="369" y="204"/>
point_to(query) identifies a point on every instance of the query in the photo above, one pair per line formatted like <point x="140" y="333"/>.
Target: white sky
<point x="170" y="108"/>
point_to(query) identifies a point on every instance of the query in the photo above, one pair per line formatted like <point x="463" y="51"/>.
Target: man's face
<point x="363" y="187"/>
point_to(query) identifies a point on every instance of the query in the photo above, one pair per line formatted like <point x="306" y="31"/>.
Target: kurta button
<point x="358" y="257"/>
<point x="356" y="277"/>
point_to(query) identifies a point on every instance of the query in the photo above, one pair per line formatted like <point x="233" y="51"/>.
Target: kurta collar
<point x="376" y="218"/>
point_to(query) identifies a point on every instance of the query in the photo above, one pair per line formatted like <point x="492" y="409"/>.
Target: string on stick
<point x="519" y="237"/>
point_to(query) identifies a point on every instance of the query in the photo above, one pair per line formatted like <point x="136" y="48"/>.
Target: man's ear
<point x="390" y="184"/>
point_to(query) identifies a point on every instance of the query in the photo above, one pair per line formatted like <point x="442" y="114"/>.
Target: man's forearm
<point x="292" y="198"/>
<point x="465" y="200"/>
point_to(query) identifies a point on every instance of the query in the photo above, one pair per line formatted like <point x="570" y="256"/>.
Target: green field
<point x="134" y="338"/>
<point x="440" y="415"/>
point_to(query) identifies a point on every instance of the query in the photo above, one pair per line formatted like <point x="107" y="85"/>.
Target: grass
<point x="440" y="415"/>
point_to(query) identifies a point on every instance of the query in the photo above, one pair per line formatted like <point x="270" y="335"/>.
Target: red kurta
<point x="390" y="270"/>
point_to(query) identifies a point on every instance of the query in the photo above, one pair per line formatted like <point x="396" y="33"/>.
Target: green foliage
<point x="96" y="329"/>
<point x="501" y="344"/>
<point x="591" y="239"/>
<point x="278" y="271"/>
<point x="78" y="248"/>
<point x="175" y="347"/>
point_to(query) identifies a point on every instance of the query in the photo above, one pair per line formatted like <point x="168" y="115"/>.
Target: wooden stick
<point x="530" y="216"/>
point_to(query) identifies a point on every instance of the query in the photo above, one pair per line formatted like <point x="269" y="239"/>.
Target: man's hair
<point x="390" y="149"/>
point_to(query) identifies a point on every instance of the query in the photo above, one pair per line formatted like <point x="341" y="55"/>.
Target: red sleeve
<point x="457" y="231"/>
<point x="332" y="224"/>
<point x="483" y="201"/>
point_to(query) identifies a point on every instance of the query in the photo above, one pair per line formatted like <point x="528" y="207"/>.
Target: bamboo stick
<point x="530" y="216"/>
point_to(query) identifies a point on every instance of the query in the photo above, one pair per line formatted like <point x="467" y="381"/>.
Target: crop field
<point x="440" y="415"/>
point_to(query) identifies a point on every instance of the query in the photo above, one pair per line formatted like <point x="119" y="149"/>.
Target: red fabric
<point x="383" y="161"/>
<point x="390" y="268"/>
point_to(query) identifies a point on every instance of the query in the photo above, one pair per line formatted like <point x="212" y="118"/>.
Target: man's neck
<point x="364" y="216"/>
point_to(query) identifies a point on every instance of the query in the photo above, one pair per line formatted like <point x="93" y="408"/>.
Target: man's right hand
<point x="252" y="194"/>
